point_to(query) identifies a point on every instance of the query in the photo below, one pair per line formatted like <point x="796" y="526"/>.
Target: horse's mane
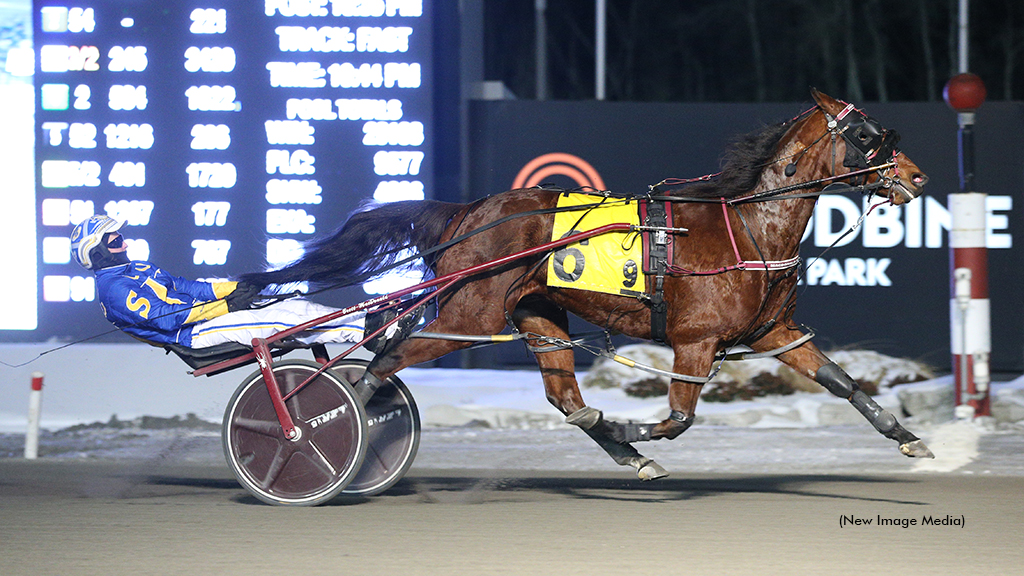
<point x="742" y="164"/>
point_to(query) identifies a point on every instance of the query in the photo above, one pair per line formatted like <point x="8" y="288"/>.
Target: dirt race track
<point x="75" y="517"/>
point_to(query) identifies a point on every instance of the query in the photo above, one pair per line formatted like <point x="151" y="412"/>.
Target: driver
<point x="141" y="299"/>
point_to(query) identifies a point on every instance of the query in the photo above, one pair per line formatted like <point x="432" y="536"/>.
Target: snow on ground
<point x="959" y="446"/>
<point x="496" y="418"/>
<point x="487" y="417"/>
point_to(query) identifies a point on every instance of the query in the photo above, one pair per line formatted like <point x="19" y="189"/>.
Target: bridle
<point x="869" y="145"/>
<point x="868" y="142"/>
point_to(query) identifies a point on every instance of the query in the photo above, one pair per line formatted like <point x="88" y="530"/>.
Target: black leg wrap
<point x="591" y="419"/>
<point x="835" y="380"/>
<point x="681" y="418"/>
<point x="628" y="432"/>
<point x="680" y="423"/>
<point x="634" y="432"/>
<point x="586" y="418"/>
<point x="367" y="387"/>
<point x="838" y="382"/>
<point x="601" y="431"/>
<point x="880" y="418"/>
<point x="900" y="434"/>
<point x="622" y="454"/>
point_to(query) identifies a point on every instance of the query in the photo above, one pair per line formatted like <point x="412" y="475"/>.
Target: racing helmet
<point x="88" y="236"/>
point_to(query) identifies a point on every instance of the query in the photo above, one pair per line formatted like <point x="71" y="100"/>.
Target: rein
<point x="774" y="193"/>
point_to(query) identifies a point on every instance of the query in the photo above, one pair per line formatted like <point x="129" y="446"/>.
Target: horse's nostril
<point x="918" y="179"/>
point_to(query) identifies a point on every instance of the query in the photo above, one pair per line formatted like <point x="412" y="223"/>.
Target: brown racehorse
<point x="785" y="165"/>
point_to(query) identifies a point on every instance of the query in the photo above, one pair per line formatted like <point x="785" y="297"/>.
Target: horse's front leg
<point x="557" y="368"/>
<point x="808" y="360"/>
<point x="690" y="360"/>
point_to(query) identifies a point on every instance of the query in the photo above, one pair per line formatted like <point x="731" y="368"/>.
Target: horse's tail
<point x="368" y="241"/>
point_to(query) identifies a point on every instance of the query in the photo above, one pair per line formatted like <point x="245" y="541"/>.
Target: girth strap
<point x="657" y="256"/>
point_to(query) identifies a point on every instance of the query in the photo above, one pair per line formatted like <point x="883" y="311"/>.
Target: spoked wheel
<point x="393" y="424"/>
<point x="312" y="468"/>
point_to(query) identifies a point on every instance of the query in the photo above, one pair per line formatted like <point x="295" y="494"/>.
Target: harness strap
<point x="740" y="264"/>
<point x="651" y="369"/>
<point x="658" y="250"/>
<point x="769" y="353"/>
<point x="468" y="337"/>
<point x="849" y="108"/>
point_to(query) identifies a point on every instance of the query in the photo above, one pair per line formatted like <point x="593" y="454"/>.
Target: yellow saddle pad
<point x="608" y="263"/>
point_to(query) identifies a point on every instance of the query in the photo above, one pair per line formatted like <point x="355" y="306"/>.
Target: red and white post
<point x="970" y="339"/>
<point x="970" y="323"/>
<point x="35" y="405"/>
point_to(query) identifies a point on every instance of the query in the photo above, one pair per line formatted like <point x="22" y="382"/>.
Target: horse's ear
<point x="824" y="101"/>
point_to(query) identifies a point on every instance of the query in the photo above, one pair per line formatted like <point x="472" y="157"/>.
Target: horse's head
<point x="870" y="145"/>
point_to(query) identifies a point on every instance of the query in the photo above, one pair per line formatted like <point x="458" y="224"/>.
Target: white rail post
<point x="35" y="405"/>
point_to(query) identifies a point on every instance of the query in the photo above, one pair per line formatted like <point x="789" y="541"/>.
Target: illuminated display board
<point x="225" y="133"/>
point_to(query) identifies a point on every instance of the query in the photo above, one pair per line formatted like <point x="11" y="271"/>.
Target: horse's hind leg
<point x="465" y="313"/>
<point x="811" y="362"/>
<point x="557" y="367"/>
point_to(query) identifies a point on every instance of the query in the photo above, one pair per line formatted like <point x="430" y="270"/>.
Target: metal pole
<point x="600" y="47"/>
<point x="541" y="26"/>
<point x="963" y="36"/>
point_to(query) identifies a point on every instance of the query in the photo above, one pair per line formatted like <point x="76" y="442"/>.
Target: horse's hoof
<point x="585" y="417"/>
<point x="651" y="471"/>
<point x="916" y="449"/>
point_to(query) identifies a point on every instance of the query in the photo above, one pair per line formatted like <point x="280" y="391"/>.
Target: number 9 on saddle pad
<point x="609" y="263"/>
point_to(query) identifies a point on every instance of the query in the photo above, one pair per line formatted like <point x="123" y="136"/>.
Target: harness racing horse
<point x="767" y="190"/>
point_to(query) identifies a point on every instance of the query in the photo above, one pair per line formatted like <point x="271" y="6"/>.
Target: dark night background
<point x="758" y="50"/>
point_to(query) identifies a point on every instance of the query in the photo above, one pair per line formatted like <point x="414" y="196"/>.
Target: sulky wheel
<point x="393" y="424"/>
<point x="320" y="462"/>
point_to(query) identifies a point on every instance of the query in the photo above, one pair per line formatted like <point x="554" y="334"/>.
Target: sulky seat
<point x="198" y="358"/>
